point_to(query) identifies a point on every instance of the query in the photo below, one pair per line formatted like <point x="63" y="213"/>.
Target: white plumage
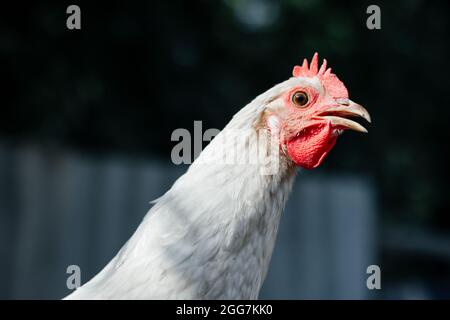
<point x="212" y="234"/>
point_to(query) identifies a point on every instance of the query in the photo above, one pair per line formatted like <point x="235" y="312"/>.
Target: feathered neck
<point x="240" y="181"/>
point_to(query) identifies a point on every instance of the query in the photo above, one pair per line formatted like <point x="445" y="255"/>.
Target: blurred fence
<point x="59" y="209"/>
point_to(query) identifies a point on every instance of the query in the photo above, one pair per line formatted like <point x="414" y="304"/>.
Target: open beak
<point x="338" y="115"/>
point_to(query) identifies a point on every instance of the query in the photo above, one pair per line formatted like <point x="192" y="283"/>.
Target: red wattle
<point x="309" y="149"/>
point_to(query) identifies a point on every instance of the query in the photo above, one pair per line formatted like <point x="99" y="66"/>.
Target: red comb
<point x="330" y="81"/>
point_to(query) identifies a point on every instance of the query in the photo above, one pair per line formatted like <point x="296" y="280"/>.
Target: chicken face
<point x="312" y="113"/>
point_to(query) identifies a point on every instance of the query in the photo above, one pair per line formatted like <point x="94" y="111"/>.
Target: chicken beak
<point x="338" y="115"/>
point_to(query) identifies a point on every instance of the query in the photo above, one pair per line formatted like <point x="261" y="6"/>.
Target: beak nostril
<point x="343" y="101"/>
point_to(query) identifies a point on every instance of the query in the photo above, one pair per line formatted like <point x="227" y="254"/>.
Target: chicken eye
<point x="300" y="98"/>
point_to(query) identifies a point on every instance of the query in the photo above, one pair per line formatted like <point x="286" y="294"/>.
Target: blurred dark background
<point x="136" y="71"/>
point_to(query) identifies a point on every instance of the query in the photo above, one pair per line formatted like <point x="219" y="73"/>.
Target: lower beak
<point x="338" y="115"/>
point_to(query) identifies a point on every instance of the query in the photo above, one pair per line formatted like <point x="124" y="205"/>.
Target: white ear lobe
<point x="273" y="124"/>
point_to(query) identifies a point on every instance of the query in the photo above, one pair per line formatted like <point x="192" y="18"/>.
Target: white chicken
<point x="212" y="234"/>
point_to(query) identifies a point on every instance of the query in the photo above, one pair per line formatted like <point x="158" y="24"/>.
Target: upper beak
<point x="338" y="115"/>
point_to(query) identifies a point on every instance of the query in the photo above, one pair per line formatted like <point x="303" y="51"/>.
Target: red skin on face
<point x="309" y="140"/>
<point x="308" y="150"/>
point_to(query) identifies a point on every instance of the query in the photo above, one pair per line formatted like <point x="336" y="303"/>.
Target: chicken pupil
<point x="301" y="98"/>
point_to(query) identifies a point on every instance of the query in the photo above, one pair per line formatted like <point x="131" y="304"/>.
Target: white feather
<point x="212" y="234"/>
